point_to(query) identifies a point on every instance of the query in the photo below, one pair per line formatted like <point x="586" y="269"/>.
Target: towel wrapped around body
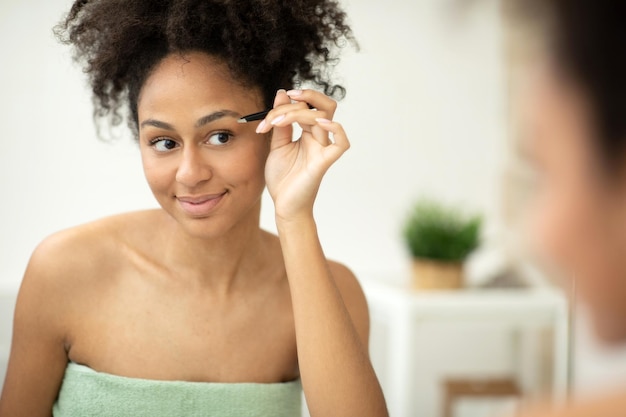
<point x="85" y="392"/>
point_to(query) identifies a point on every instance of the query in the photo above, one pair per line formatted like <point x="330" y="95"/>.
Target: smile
<point x="199" y="206"/>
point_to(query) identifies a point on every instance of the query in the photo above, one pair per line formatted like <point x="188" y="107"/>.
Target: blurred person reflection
<point x="575" y="120"/>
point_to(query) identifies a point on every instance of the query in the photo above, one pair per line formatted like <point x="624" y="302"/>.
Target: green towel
<point x="87" y="393"/>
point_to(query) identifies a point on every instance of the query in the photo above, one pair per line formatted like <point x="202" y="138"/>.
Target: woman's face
<point x="579" y="212"/>
<point x="205" y="169"/>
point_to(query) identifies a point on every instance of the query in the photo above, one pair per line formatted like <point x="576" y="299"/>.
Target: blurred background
<point x="429" y="108"/>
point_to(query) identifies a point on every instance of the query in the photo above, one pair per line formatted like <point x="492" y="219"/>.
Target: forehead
<point x="191" y="79"/>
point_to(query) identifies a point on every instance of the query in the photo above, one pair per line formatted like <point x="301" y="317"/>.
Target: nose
<point x="193" y="169"/>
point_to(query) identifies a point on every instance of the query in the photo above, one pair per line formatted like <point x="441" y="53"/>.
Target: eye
<point x="163" y="144"/>
<point x="219" y="138"/>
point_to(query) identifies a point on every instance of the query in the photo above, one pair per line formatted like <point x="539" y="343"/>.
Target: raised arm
<point x="330" y="311"/>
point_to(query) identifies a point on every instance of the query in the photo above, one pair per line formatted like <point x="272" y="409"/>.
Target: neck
<point x="219" y="262"/>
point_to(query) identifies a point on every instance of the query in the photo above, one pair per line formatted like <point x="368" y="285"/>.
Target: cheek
<point x="242" y="169"/>
<point x="555" y="217"/>
<point x="244" y="164"/>
<point x="559" y="210"/>
<point x="571" y="213"/>
<point x="576" y="229"/>
<point x="568" y="207"/>
<point x="159" y="173"/>
<point x="567" y="225"/>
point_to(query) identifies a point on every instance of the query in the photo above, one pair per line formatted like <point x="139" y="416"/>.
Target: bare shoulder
<point x="58" y="281"/>
<point x="56" y="272"/>
<point x="73" y="249"/>
<point x="68" y="270"/>
<point x="353" y="297"/>
<point x="71" y="256"/>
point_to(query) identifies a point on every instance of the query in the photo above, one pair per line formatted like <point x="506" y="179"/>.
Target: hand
<point x="294" y="169"/>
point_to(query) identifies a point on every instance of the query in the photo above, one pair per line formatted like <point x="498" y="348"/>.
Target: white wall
<point x="424" y="112"/>
<point x="7" y="304"/>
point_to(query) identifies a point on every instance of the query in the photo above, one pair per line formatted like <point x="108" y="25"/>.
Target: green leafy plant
<point x="435" y="231"/>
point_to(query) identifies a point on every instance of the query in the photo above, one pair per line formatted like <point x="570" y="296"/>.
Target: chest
<point x="152" y="333"/>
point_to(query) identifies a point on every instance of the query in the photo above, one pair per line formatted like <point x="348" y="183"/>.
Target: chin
<point x="205" y="227"/>
<point x="213" y="226"/>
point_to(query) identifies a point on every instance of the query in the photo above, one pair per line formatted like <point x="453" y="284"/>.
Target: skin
<point x="579" y="210"/>
<point x="578" y="216"/>
<point x="158" y="294"/>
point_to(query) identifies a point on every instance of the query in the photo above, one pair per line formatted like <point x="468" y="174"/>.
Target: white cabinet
<point x="418" y="339"/>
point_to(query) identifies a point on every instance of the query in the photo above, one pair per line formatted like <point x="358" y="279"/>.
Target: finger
<point x="320" y="135"/>
<point x="340" y="139"/>
<point x="282" y="105"/>
<point x="278" y="114"/>
<point x="304" y="117"/>
<point x="307" y="120"/>
<point x="280" y="100"/>
<point x="316" y="99"/>
<point x="282" y="135"/>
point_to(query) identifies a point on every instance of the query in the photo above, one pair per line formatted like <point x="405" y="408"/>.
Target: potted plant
<point x="439" y="239"/>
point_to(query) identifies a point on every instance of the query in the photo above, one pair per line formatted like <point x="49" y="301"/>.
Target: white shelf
<point x="405" y="312"/>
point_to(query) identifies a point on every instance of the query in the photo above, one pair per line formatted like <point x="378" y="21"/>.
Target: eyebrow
<point x="209" y="118"/>
<point x="215" y="116"/>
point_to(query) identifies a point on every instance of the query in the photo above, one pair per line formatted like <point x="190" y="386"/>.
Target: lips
<point x="201" y="205"/>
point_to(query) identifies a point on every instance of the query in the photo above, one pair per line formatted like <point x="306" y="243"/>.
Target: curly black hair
<point x="267" y="44"/>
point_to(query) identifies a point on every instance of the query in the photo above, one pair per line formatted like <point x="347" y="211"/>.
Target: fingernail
<point x="282" y="90"/>
<point x="294" y="93"/>
<point x="322" y="120"/>
<point x="278" y="120"/>
<point x="260" y="127"/>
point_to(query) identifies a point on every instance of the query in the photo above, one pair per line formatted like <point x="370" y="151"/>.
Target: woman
<point x="577" y="140"/>
<point x="192" y="309"/>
